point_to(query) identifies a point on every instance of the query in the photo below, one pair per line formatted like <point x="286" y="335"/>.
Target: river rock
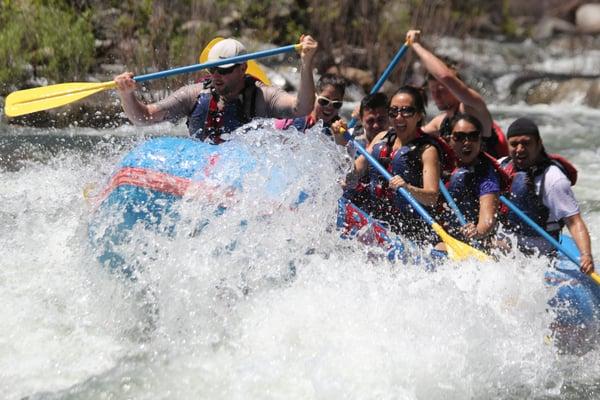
<point x="548" y="26"/>
<point x="587" y="18"/>
<point x="592" y="97"/>
<point x="550" y="91"/>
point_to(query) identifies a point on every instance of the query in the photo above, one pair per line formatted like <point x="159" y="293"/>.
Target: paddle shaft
<point x="459" y="215"/>
<point x="513" y="207"/>
<point x="212" y="64"/>
<point x="380" y="83"/>
<point x="569" y="254"/>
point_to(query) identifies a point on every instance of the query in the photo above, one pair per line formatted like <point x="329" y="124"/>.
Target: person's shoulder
<point x="267" y="89"/>
<point x="556" y="180"/>
<point x="491" y="174"/>
<point x="191" y="90"/>
<point x="554" y="173"/>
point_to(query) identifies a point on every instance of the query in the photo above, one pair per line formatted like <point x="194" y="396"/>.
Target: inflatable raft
<point x="576" y="302"/>
<point x="147" y="187"/>
<point x="152" y="178"/>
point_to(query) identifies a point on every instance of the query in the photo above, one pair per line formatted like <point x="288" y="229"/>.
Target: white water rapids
<point x="231" y="326"/>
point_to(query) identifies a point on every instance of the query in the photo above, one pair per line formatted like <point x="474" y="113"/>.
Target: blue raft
<point x="152" y="178"/>
<point x="149" y="182"/>
<point x="576" y="302"/>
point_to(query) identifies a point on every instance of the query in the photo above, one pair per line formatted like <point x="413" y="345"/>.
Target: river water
<point x="233" y="324"/>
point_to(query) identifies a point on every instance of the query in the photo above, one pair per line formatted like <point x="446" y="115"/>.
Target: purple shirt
<point x="488" y="183"/>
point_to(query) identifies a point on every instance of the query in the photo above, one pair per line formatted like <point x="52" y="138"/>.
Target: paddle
<point x="569" y="254"/>
<point x="457" y="250"/>
<point x="459" y="215"/>
<point x="43" y="98"/>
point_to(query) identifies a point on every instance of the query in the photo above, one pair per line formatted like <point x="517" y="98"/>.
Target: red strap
<point x="502" y="145"/>
<point x="505" y="178"/>
<point x="213" y="121"/>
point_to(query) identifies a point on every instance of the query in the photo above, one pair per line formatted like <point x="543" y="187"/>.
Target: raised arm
<point x="306" y="92"/>
<point x="471" y="100"/>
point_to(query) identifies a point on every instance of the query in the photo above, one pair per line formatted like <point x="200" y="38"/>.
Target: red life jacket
<point x="208" y="122"/>
<point x="501" y="147"/>
<point x="555" y="159"/>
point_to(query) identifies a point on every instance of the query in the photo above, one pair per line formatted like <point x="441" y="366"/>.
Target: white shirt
<point x="557" y="194"/>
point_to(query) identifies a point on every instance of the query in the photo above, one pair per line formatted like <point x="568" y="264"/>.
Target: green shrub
<point x="48" y="36"/>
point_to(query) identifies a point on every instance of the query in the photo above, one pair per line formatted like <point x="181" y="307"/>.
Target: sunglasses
<point x="222" y="71"/>
<point x="324" y="102"/>
<point x="472" y="136"/>
<point x="405" y="111"/>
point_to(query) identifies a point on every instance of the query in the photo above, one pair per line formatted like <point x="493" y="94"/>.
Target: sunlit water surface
<point x="233" y="322"/>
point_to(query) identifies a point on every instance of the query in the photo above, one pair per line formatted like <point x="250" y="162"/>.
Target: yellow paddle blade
<point x="595" y="277"/>
<point x="42" y="98"/>
<point x="458" y="250"/>
<point x="254" y="69"/>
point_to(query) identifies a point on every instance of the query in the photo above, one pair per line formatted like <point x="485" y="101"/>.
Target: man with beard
<point x="541" y="188"/>
<point x="228" y="100"/>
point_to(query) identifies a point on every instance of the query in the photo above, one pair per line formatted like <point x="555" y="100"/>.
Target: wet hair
<point x="418" y="96"/>
<point x="338" y="83"/>
<point x="373" y="101"/>
<point x="469" y="118"/>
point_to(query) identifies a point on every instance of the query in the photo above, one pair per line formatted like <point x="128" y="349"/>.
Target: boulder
<point x="571" y="90"/>
<point x="592" y="97"/>
<point x="587" y="18"/>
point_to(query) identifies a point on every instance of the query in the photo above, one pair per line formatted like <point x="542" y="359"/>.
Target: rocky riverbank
<point x="536" y="53"/>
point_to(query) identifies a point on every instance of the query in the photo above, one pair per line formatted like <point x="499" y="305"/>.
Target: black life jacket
<point x="406" y="161"/>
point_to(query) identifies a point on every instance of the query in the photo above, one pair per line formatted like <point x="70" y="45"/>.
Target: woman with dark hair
<point x="328" y="102"/>
<point x="475" y="184"/>
<point x="413" y="159"/>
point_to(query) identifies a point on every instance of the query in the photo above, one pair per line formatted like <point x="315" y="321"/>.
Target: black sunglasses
<point x="406" y="111"/>
<point x="324" y="102"/>
<point x="221" y="70"/>
<point x="472" y="136"/>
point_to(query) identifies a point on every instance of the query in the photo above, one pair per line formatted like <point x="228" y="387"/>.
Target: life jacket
<point x="208" y="122"/>
<point x="406" y="161"/>
<point x="300" y="123"/>
<point x="499" y="147"/>
<point x="524" y="195"/>
<point x="463" y="184"/>
<point x="303" y="123"/>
